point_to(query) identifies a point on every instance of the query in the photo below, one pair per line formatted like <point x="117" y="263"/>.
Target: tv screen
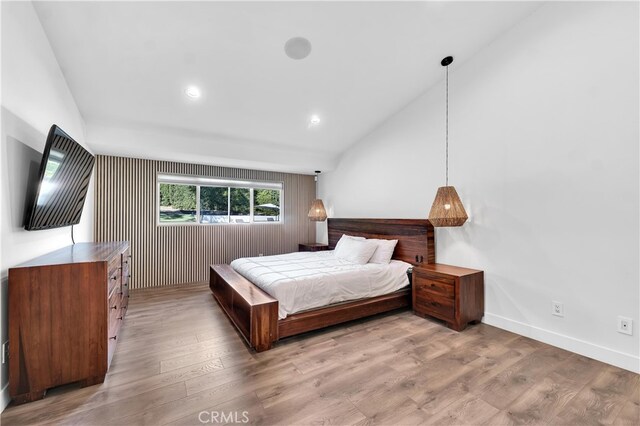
<point x="62" y="183"/>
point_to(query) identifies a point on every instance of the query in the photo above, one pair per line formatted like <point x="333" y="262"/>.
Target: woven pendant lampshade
<point x="447" y="209"/>
<point x="317" y="212"/>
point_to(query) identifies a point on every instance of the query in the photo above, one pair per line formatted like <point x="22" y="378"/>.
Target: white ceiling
<point x="128" y="63"/>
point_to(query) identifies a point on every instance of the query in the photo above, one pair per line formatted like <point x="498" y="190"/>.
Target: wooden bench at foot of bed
<point x="255" y="313"/>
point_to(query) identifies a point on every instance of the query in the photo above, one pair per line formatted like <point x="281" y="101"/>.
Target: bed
<point x="262" y="320"/>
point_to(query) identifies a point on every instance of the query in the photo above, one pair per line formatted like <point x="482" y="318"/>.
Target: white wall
<point x="544" y="153"/>
<point x="198" y="148"/>
<point x="34" y="96"/>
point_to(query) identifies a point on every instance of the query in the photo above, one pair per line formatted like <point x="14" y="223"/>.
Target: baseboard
<point x="6" y="399"/>
<point x="610" y="356"/>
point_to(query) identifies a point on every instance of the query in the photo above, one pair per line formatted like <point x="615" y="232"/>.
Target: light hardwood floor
<point x="179" y="356"/>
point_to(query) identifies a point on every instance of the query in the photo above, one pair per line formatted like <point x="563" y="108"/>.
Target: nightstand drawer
<point x="312" y="247"/>
<point x="437" y="287"/>
<point x="427" y="275"/>
<point x="435" y="305"/>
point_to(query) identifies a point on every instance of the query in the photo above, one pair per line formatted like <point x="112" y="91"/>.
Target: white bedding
<point x="307" y="280"/>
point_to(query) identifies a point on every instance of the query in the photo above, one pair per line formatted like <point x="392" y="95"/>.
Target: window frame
<point x="220" y="182"/>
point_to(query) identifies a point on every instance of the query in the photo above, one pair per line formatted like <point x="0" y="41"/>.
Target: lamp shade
<point x="317" y="212"/>
<point x="447" y="209"/>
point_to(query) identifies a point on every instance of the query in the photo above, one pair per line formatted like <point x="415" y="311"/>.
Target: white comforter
<point x="307" y="280"/>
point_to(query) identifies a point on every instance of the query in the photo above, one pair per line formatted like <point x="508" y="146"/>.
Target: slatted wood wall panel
<point x="171" y="254"/>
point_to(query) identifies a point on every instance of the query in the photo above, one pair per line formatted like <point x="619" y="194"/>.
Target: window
<point x="201" y="200"/>
<point x="214" y="204"/>
<point x="177" y="203"/>
<point x="266" y="205"/>
<point x="240" y="205"/>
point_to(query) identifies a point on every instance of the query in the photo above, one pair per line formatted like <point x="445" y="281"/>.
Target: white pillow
<point x="355" y="251"/>
<point x="347" y="237"/>
<point x="384" y="251"/>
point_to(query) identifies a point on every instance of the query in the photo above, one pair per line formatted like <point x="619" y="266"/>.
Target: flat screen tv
<point x="57" y="197"/>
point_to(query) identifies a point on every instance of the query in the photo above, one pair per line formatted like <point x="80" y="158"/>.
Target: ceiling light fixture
<point x="297" y="48"/>
<point x="314" y="120"/>
<point x="192" y="92"/>
<point x="317" y="212"/>
<point x="447" y="209"/>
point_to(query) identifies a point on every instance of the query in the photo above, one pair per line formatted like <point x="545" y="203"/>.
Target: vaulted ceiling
<point x="128" y="65"/>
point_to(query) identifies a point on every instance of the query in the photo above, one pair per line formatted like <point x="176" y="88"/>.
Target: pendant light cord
<point x="446" y="137"/>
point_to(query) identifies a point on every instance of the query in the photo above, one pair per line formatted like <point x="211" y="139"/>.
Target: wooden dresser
<point x="450" y="293"/>
<point x="65" y="312"/>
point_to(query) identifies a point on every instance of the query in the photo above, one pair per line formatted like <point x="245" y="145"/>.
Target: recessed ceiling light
<point x="193" y="92"/>
<point x="314" y="120"/>
<point x="297" y="48"/>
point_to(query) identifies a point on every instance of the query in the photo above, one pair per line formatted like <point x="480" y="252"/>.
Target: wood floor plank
<point x="436" y="398"/>
<point x="469" y="410"/>
<point x="191" y="359"/>
<point x="629" y="415"/>
<point x="115" y="411"/>
<point x="392" y="369"/>
<point x="245" y="409"/>
<point x="502" y="390"/>
<point x="602" y="399"/>
<point x="579" y="368"/>
<point x="540" y="404"/>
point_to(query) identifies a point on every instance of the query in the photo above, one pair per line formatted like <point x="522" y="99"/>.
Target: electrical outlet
<point x="5" y="352"/>
<point x="625" y="325"/>
<point x="557" y="309"/>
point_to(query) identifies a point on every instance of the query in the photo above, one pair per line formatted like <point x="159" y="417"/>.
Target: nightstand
<point x="312" y="247"/>
<point x="450" y="293"/>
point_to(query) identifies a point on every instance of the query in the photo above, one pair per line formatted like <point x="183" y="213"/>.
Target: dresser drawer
<point x="114" y="265"/>
<point x="126" y="263"/>
<point x="114" y="301"/>
<point x="126" y="279"/>
<point x="435" y="305"/>
<point x="125" y="289"/>
<point x="115" y="308"/>
<point x="114" y="281"/>
<point x="111" y="348"/>
<point x="440" y="288"/>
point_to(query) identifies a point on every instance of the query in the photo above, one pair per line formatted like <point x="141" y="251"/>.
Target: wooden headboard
<point x="415" y="237"/>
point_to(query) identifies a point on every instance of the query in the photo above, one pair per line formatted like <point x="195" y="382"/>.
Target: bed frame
<point x="255" y="313"/>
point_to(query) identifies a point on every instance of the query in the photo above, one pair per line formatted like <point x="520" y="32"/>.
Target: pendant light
<point x="447" y="209"/>
<point x="317" y="212"/>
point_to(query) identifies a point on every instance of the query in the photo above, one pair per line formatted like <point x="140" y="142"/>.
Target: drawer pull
<point x="126" y="262"/>
<point x="125" y="285"/>
<point x="129" y="276"/>
<point x="114" y="307"/>
<point x="113" y="338"/>
<point x="114" y="277"/>
<point x="120" y="318"/>
<point x="124" y="307"/>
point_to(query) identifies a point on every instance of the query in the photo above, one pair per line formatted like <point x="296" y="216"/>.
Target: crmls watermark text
<point x="223" y="417"/>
